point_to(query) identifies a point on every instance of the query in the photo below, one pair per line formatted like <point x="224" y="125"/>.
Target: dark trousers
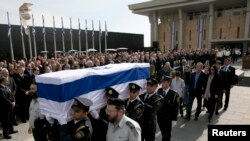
<point x="190" y="104"/>
<point x="39" y="134"/>
<point x="148" y="130"/>
<point x="218" y="102"/>
<point x="5" y="120"/>
<point x="165" y="126"/>
<point x="180" y="106"/>
<point x="227" y="94"/>
<point x="211" y="107"/>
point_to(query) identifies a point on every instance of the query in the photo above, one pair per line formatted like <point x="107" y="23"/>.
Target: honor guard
<point x="77" y="129"/>
<point x="167" y="115"/>
<point x="152" y="103"/>
<point x="100" y="120"/>
<point x="134" y="105"/>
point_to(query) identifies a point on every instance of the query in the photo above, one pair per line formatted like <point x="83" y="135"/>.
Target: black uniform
<point x="148" y="118"/>
<point x="74" y="132"/>
<point x="167" y="113"/>
<point x="134" y="109"/>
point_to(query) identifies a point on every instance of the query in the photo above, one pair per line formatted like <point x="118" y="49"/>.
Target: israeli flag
<point x="56" y="90"/>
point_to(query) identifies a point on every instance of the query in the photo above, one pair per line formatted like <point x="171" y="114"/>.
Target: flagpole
<point x="63" y="32"/>
<point x="34" y="35"/>
<point x="44" y="36"/>
<point x="23" y="45"/>
<point x="71" y="37"/>
<point x="100" y="37"/>
<point x="86" y="36"/>
<point x="106" y="34"/>
<point x="80" y="48"/>
<point x="30" y="46"/>
<point x="54" y="32"/>
<point x="10" y="36"/>
<point x="93" y="34"/>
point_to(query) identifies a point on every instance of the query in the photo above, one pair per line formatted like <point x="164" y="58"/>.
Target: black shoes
<point x="196" y="118"/>
<point x="15" y="123"/>
<point x="13" y="132"/>
<point x="7" y="136"/>
<point x="216" y="113"/>
<point x="225" y="108"/>
<point x="187" y="118"/>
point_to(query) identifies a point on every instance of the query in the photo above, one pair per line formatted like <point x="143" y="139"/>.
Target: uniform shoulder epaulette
<point x="132" y="127"/>
<point x="79" y="133"/>
<point x="159" y="100"/>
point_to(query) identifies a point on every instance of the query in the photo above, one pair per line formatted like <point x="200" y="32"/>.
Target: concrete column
<point x="180" y="35"/>
<point x="247" y="24"/>
<point x="153" y="19"/>
<point x="210" y="26"/>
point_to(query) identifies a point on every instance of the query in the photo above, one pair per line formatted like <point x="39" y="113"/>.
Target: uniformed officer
<point x="152" y="103"/>
<point x="169" y="110"/>
<point x="77" y="129"/>
<point x="100" y="120"/>
<point x="134" y="105"/>
<point x="121" y="127"/>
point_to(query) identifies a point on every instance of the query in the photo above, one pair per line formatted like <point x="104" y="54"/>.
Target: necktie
<point x="146" y="98"/>
<point x="164" y="93"/>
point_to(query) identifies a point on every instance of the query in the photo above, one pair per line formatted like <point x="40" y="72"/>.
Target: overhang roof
<point x="172" y="6"/>
<point x="241" y="40"/>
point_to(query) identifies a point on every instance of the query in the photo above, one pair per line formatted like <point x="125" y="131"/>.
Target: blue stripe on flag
<point x="68" y="91"/>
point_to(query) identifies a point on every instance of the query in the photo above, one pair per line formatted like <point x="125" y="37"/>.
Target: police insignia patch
<point x="79" y="135"/>
<point x="133" y="86"/>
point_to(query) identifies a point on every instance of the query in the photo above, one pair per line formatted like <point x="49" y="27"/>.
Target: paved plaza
<point x="238" y="113"/>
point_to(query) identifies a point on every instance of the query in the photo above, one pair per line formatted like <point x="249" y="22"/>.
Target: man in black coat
<point x="169" y="110"/>
<point x="134" y="105"/>
<point x="196" y="89"/>
<point x="77" y="129"/>
<point x="228" y="79"/>
<point x="152" y="103"/>
<point x="6" y="106"/>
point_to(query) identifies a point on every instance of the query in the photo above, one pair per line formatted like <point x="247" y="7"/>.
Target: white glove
<point x="94" y="114"/>
<point x="62" y="121"/>
<point x="50" y="120"/>
<point x="174" y="123"/>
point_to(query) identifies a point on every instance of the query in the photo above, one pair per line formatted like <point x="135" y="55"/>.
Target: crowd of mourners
<point x="189" y="74"/>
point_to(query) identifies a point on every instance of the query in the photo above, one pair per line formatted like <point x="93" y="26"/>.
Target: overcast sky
<point x="115" y="12"/>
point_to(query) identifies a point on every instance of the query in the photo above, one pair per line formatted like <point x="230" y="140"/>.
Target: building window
<point x="204" y="36"/>
<point x="190" y="17"/>
<point x="238" y="32"/>
<point x="190" y="46"/>
<point x="190" y="34"/>
<point x="219" y="13"/>
<point x="164" y="37"/>
<point x="220" y="33"/>
<point x="204" y="46"/>
<point x="176" y="36"/>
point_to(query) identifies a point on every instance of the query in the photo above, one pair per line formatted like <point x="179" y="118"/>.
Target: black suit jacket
<point x="151" y="107"/>
<point x="228" y="77"/>
<point x="5" y="102"/>
<point x="200" y="84"/>
<point x="215" y="86"/>
<point x="169" y="109"/>
<point x="135" y="109"/>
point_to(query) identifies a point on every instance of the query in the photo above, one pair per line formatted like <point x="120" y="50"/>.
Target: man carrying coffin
<point x="100" y="120"/>
<point x="134" y="106"/>
<point x="77" y="129"/>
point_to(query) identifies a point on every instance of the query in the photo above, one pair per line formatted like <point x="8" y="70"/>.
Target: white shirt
<point x="34" y="112"/>
<point x="178" y="86"/>
<point x="123" y="132"/>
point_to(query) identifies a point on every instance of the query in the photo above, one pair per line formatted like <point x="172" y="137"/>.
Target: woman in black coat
<point x="212" y="90"/>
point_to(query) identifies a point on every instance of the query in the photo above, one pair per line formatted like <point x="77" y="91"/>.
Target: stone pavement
<point x="238" y="113"/>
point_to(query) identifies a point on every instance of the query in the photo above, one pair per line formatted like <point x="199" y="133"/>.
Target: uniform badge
<point x="133" y="86"/>
<point x="110" y="92"/>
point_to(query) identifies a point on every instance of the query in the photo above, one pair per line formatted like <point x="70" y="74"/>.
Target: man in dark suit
<point x="196" y="89"/>
<point x="181" y="69"/>
<point x="152" y="103"/>
<point x="134" y="105"/>
<point x="6" y="106"/>
<point x="229" y="80"/>
<point x="167" y="115"/>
